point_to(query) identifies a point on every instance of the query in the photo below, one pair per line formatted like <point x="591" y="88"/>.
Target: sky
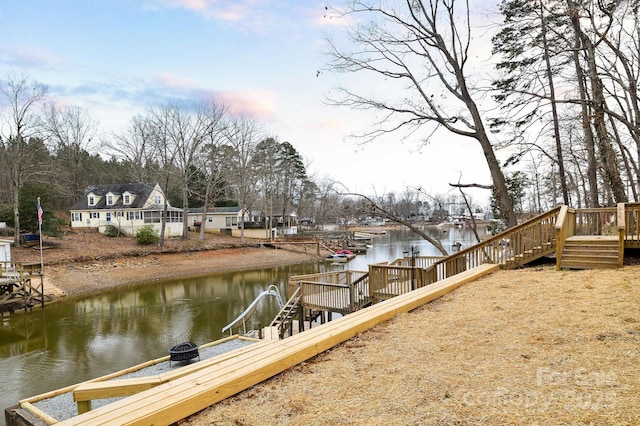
<point x="266" y="58"/>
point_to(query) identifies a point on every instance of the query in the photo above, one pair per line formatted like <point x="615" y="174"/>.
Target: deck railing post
<point x="561" y="234"/>
<point x="621" y="232"/>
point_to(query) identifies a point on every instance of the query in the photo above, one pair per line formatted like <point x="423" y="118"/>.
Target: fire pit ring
<point x="183" y="352"/>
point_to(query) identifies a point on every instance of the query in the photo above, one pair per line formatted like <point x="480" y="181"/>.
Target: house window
<point x="158" y="199"/>
<point x="92" y="200"/>
<point x="152" y="217"/>
<point x="126" y="199"/>
<point x="108" y="217"/>
<point x="76" y="217"/>
<point x="134" y="215"/>
<point x="175" y="217"/>
<point x="231" y="221"/>
<point x="94" y="215"/>
<point x="109" y="200"/>
<point x="118" y="214"/>
<point x="210" y="219"/>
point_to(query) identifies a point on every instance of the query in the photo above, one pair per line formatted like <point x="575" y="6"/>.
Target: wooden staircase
<point x="590" y="252"/>
<point x="284" y="320"/>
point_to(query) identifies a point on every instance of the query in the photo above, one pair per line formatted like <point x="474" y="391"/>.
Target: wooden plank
<point x="170" y="402"/>
<point x="114" y="388"/>
<point x="37" y="412"/>
<point x="88" y="391"/>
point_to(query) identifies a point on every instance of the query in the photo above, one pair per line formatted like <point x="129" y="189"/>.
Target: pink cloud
<point x="259" y="104"/>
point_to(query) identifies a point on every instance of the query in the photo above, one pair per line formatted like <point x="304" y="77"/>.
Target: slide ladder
<point x="284" y="320"/>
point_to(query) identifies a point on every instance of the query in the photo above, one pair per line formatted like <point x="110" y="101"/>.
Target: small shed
<point x="5" y="251"/>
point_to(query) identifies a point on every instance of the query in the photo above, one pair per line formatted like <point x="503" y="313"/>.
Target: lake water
<point x="80" y="338"/>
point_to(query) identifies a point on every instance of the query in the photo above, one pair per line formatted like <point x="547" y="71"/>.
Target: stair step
<point x="592" y="246"/>
<point x="592" y="242"/>
<point x="591" y="252"/>
<point x="589" y="260"/>
<point x="588" y="265"/>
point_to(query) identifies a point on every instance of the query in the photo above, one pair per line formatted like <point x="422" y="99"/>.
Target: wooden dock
<point x="227" y="375"/>
<point x="21" y="286"/>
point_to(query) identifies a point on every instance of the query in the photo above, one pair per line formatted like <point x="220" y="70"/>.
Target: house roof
<point x="141" y="191"/>
<point x="215" y="210"/>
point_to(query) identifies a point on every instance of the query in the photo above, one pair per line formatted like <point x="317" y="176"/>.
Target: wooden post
<point x="621" y="232"/>
<point x="561" y="234"/>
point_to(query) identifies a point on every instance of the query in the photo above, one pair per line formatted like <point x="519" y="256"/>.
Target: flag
<point x="39" y="213"/>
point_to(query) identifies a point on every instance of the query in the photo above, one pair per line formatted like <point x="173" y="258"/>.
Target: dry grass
<point x="532" y="346"/>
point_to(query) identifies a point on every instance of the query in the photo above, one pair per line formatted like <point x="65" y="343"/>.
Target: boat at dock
<point x="341" y="256"/>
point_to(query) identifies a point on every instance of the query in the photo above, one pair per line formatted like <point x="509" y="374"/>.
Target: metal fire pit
<point x="183" y="352"/>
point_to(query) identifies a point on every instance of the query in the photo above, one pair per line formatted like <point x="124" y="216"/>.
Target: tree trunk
<point x="554" y="110"/>
<point x="16" y="215"/>
<point x="607" y="155"/>
<point x="185" y="213"/>
<point x="592" y="199"/>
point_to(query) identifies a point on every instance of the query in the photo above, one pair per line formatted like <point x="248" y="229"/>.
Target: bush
<point x="147" y="235"/>
<point x="112" y="231"/>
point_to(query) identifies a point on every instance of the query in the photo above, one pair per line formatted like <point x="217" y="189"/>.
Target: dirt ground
<point x="83" y="262"/>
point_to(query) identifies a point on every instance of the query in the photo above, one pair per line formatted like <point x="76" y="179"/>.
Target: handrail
<point x="272" y="290"/>
<point x="293" y="300"/>
<point x="511" y="246"/>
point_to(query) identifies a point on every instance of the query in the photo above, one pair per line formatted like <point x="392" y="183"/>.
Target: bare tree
<point x="165" y="152"/>
<point x="70" y="132"/>
<point x="242" y="134"/>
<point x="188" y="130"/>
<point x="19" y="125"/>
<point x="596" y="118"/>
<point x="426" y="46"/>
<point x="211" y="160"/>
<point x="135" y="148"/>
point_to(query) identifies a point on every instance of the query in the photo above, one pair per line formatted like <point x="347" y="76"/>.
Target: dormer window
<point x="126" y="199"/>
<point x="109" y="199"/>
<point x="92" y="200"/>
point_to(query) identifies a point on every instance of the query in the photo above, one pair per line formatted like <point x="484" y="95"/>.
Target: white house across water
<point x="126" y="207"/>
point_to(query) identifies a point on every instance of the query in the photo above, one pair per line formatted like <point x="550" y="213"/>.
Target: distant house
<point x="219" y="219"/>
<point x="125" y="206"/>
<point x="228" y="220"/>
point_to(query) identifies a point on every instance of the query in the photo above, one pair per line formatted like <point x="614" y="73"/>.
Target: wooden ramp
<point x="169" y="402"/>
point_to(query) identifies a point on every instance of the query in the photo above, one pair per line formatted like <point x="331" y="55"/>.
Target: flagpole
<point x="41" y="256"/>
<point x="40" y="234"/>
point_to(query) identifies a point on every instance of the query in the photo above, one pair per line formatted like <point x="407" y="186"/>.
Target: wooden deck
<point x="21" y="286"/>
<point x="172" y="401"/>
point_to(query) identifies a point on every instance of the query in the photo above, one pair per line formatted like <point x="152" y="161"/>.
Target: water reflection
<point x="81" y="338"/>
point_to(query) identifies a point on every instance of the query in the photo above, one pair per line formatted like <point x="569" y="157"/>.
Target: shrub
<point x="112" y="231"/>
<point x="147" y="235"/>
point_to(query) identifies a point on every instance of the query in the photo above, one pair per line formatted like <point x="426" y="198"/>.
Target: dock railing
<point x="542" y="235"/>
<point x="342" y="291"/>
<point x="632" y="225"/>
<point x="511" y="248"/>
